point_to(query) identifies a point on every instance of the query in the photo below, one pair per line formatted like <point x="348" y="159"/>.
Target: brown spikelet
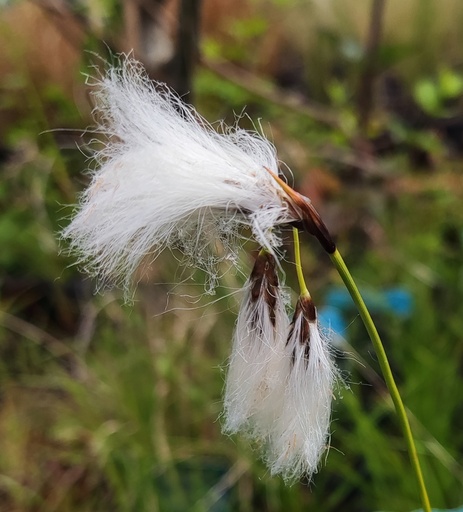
<point x="308" y="217"/>
<point x="306" y="309"/>
<point x="264" y="283"/>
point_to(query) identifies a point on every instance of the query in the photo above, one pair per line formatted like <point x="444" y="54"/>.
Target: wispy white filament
<point x="258" y="366"/>
<point x="301" y="434"/>
<point x="166" y="178"/>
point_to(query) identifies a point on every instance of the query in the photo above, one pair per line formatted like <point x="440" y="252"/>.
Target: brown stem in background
<point x="268" y="91"/>
<point x="132" y="28"/>
<point x="187" y="51"/>
<point x="370" y="65"/>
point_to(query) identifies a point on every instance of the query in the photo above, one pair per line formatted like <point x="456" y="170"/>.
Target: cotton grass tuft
<point x="300" y="435"/>
<point x="280" y="378"/>
<point x="166" y="178"/>
<point x="258" y="366"/>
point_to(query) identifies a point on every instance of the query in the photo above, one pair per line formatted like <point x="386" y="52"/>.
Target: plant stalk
<point x="343" y="271"/>
<point x="297" y="256"/>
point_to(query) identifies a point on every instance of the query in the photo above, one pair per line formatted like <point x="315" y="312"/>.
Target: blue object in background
<point x="395" y="300"/>
<point x="400" y="301"/>
<point x="332" y="319"/>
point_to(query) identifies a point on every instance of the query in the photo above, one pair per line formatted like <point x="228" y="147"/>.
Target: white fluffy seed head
<point x="301" y="433"/>
<point x="166" y="178"/>
<point x="254" y="391"/>
<point x="280" y="385"/>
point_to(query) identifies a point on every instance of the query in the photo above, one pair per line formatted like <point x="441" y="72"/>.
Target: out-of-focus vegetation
<point x="109" y="407"/>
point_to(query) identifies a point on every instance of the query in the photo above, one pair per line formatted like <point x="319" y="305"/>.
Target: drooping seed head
<point x="258" y="366"/>
<point x="301" y="434"/>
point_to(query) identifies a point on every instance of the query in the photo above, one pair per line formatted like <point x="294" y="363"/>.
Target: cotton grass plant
<point x="165" y="178"/>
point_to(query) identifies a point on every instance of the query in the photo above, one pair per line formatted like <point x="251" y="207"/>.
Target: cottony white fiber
<point x="254" y="390"/>
<point x="166" y="178"/>
<point x="301" y="434"/>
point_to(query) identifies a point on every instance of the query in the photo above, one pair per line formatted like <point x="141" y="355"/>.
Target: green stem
<point x="297" y="255"/>
<point x="341" y="267"/>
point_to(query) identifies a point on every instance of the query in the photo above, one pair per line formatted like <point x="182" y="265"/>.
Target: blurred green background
<point x="112" y="407"/>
